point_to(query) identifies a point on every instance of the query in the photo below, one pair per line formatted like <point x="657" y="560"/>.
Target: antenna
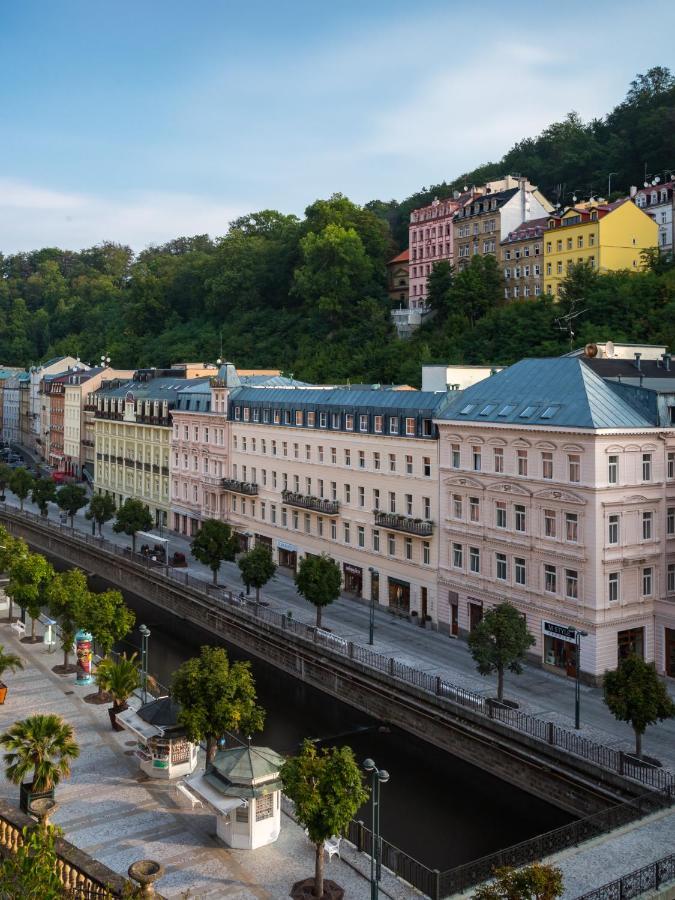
<point x="564" y="323"/>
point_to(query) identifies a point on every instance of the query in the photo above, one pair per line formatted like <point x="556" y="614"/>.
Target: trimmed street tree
<point x="5" y="475"/>
<point x="44" y="493"/>
<point x="257" y="567"/>
<point x="108" y="619"/>
<point x="213" y="544"/>
<point x="67" y="596"/>
<point x="635" y="694"/>
<point x="319" y="580"/>
<point x="133" y="516"/>
<point x="535" y="882"/>
<point x="20" y="484"/>
<point x="11" y="549"/>
<point x="101" y="510"/>
<point x="43" y="745"/>
<point x="29" y="577"/>
<point x="216" y="696"/>
<point x="327" y="789"/>
<point x="500" y="642"/>
<point x="71" y="498"/>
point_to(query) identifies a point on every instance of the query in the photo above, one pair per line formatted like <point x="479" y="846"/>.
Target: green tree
<point x="319" y="580"/>
<point x="44" y="493"/>
<point x="101" y="510"/>
<point x="476" y="289"/>
<point x="20" y="484"/>
<point x="31" y="873"/>
<point x="9" y="662"/>
<point x="216" y="697"/>
<point x="108" y="619"/>
<point x="5" y="478"/>
<point x="500" y="641"/>
<point x="327" y="789"/>
<point x="257" y="567"/>
<point x="132" y="516"/>
<point x="68" y="597"/>
<point x="534" y="882"/>
<point x="118" y="678"/>
<point x="71" y="498"/>
<point x="213" y="544"/>
<point x="30" y="575"/>
<point x="43" y="745"/>
<point x="634" y="693"/>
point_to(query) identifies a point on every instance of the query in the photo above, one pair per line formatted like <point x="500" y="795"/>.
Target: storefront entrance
<point x="670" y="652"/>
<point x="453" y="601"/>
<point x="399" y="595"/>
<point x="353" y="579"/>
<point x="560" y="650"/>
<point x="262" y="539"/>
<point x="288" y="559"/>
<point x="631" y="642"/>
<point x="475" y="614"/>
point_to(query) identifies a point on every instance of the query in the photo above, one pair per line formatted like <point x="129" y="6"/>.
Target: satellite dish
<point x="466" y="187"/>
<point x="609" y="349"/>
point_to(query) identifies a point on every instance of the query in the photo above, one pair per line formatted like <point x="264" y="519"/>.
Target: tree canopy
<point x="257" y="567"/>
<point x="635" y="694"/>
<point x="319" y="580"/>
<point x="213" y="544"/>
<point x="500" y="641"/>
<point x="133" y="516"/>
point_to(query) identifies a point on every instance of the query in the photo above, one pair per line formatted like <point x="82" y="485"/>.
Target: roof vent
<point x="591" y="351"/>
<point x="666" y="361"/>
<point x="638" y="357"/>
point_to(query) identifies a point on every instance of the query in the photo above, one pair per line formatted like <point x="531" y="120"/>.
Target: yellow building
<point x="608" y="237"/>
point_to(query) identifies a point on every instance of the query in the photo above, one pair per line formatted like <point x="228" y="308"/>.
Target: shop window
<point x="264" y="807"/>
<point x="630" y="643"/>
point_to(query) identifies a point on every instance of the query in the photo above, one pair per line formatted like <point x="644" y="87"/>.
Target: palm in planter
<point x="119" y="680"/>
<point x="43" y="745"/>
<point x="8" y="662"/>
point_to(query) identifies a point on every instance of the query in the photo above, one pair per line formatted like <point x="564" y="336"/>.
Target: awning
<point x="217" y="801"/>
<point x="130" y="720"/>
<point x="284" y="545"/>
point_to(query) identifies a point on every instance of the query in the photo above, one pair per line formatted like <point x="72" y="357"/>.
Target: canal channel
<point x="436" y="807"/>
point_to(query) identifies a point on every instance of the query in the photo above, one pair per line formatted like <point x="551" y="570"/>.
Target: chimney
<point x="666" y="361"/>
<point x="638" y="357"/>
<point x="633" y="190"/>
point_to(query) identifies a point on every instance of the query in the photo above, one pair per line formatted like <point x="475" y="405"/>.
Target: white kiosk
<point x="163" y="749"/>
<point x="243" y="788"/>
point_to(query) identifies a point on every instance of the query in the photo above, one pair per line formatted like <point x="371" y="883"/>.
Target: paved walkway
<point x="118" y="815"/>
<point x="538" y="691"/>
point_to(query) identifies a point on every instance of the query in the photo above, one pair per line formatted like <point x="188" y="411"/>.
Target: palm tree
<point x="43" y="745"/>
<point x="118" y="679"/>
<point x="11" y="662"/>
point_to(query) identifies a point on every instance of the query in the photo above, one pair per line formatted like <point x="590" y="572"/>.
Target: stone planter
<point x="3" y="692"/>
<point x="27" y="796"/>
<point x="304" y="890"/>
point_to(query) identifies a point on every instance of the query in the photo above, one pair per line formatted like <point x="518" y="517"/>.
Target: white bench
<point x="19" y="627"/>
<point x="184" y="794"/>
<point x="332" y="847"/>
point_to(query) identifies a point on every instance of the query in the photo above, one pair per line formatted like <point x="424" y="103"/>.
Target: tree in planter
<point x="67" y="597"/>
<point x="44" y="493"/>
<point x="20" y="484"/>
<point x="635" y="694"/>
<point x="101" y="510"/>
<point x="213" y="544"/>
<point x="119" y="679"/>
<point x="29" y="577"/>
<point x="71" y="498"/>
<point x="327" y="789"/>
<point x="43" y="745"/>
<point x="216" y="696"/>
<point x="133" y="516"/>
<point x="500" y="641"/>
<point x="8" y="662"/>
<point x="5" y="476"/>
<point x="535" y="882"/>
<point x="108" y="619"/>
<point x="32" y="873"/>
<point x="257" y="568"/>
<point x="11" y="549"/>
<point x="319" y="580"/>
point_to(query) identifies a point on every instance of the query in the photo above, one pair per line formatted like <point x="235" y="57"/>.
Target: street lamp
<point x="577" y="684"/>
<point x="378" y="777"/>
<point x="609" y="183"/>
<point x="371" y="622"/>
<point x="145" y="638"/>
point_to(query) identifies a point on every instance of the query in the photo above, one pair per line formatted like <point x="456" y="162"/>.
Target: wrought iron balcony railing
<point x="330" y="507"/>
<point x="397" y="522"/>
<point x="240" y="487"/>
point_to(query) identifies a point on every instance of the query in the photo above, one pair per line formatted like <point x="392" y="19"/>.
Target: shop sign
<point x="562" y="632"/>
<point x="283" y="545"/>
<point x="352" y="570"/>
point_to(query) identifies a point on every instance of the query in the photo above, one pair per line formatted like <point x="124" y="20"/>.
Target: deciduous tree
<point x="535" y="882"/>
<point x="257" y="567"/>
<point x="635" y="694"/>
<point x="500" y="641"/>
<point x="68" y="597"/>
<point x="319" y="580"/>
<point x="29" y="578"/>
<point x="132" y="516"/>
<point x="108" y="619"/>
<point x="101" y="510"/>
<point x="20" y="484"/>
<point x="71" y="498"/>
<point x="213" y="544"/>
<point x="44" y="493"/>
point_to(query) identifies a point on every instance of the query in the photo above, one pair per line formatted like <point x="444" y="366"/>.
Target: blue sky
<point x="141" y="121"/>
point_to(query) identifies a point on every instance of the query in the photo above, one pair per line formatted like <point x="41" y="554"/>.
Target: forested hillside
<point x="308" y="295"/>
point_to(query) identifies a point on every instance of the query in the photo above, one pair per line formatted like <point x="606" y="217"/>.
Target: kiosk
<point x="163" y="749"/>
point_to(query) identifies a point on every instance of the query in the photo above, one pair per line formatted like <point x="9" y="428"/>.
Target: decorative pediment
<point x="648" y="448"/>
<point x="521" y="442"/>
<point x="497" y="442"/>
<point x="508" y="487"/>
<point x="453" y="437"/>
<point x="545" y="445"/>
<point x="560" y="496"/>
<point x="615" y="448"/>
<point x="632" y="448"/>
<point x="463" y="481"/>
<point x="637" y="498"/>
<point x="573" y="448"/>
<point x="475" y="439"/>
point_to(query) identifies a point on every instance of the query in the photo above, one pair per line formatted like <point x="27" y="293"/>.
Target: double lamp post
<point x="377" y="777"/>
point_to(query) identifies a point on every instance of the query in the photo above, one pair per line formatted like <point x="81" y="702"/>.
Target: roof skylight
<point x="505" y="410"/>
<point x="487" y="409"/>
<point x="467" y="409"/>
<point x="527" y="412"/>
<point x="549" y="412"/>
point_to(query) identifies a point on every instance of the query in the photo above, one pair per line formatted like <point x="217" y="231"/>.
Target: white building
<point x="658" y="201"/>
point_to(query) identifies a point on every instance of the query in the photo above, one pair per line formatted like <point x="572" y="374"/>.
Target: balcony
<point x="404" y="523"/>
<point x="330" y="507"/>
<point x="240" y="487"/>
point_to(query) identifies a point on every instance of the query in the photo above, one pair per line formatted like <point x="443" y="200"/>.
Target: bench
<point x="18" y="627"/>
<point x="183" y="794"/>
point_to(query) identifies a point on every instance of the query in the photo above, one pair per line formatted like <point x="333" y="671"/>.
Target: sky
<point x="141" y="121"/>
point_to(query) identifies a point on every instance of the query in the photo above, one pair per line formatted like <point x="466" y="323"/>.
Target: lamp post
<point x="378" y="777"/>
<point x="577" y="684"/>
<point x="145" y="638"/>
<point x="609" y="183"/>
<point x="371" y="621"/>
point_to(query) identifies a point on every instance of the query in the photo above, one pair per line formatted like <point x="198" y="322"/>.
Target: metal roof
<point x="561" y="392"/>
<point x="300" y="398"/>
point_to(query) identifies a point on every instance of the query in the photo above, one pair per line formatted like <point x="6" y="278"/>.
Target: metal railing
<point x="319" y="504"/>
<point x="404" y="523"/>
<point x="239" y="487"/>
<point x="636" y="883"/>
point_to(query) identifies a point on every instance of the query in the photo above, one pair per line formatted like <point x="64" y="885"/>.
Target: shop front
<point x="560" y="648"/>
<point x="288" y="556"/>
<point x="353" y="579"/>
<point x="630" y="643"/>
<point x="264" y="541"/>
<point x="244" y="539"/>
<point x="399" y="595"/>
<point x="670" y="652"/>
<point x="475" y="613"/>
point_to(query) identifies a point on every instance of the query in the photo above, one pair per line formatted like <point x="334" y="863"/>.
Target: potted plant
<point x="11" y="662"/>
<point x="119" y="680"/>
<point x="43" y="745"/>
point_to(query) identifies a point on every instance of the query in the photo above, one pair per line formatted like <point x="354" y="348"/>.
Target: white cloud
<point x="33" y="216"/>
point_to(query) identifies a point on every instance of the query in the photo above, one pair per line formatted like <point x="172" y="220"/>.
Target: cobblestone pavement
<point x="118" y="815"/>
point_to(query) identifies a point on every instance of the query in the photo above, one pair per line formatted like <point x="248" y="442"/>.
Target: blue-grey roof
<point x="562" y="392"/>
<point x="152" y="389"/>
<point x="301" y="398"/>
<point x="271" y="381"/>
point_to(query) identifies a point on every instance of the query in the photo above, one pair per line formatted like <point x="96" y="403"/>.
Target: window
<point x="296" y="519"/>
<point x="308" y="523"/>
<point x="363" y="423"/>
<point x="455" y="456"/>
<point x="333" y="490"/>
<point x="502" y="570"/>
<point x="392" y="462"/>
<point x="646" y="467"/>
<point x="574" y="463"/>
<point x="376" y="540"/>
<point x="323" y="420"/>
<point x="333" y="529"/>
<point x="550" y="579"/>
<point x="613" y="469"/>
<point x="670" y="520"/>
<point x="376" y="461"/>
<point x="521" y="461"/>
<point x="348" y="457"/>
<point x="335" y="420"/>
<point x="474" y="509"/>
<point x="362" y="496"/>
<point x="347" y="532"/>
<point x="519" y="511"/>
<point x="361" y="536"/>
<point x="426" y="553"/>
<point x="378" y="424"/>
<point x="670" y="468"/>
<point x="392" y="502"/>
<point x="349" y="422"/>
<point x="500" y="514"/>
<point x="474" y="560"/>
<point x="571" y="528"/>
<point x="348" y="493"/>
<point x="391" y="544"/>
<point x="426" y="466"/>
<point x="409" y="465"/>
<point x="499" y="459"/>
<point x="571" y="584"/>
<point x="408" y="548"/>
<point x="613" y="529"/>
<point x="647" y="581"/>
<point x="376" y="498"/>
<point x="549" y="523"/>
<point x="613" y="586"/>
<point x="410" y="427"/>
<point x="457" y="556"/>
<point x="547" y="465"/>
<point x="647" y="526"/>
<point x="408" y="504"/>
<point x="393" y="425"/>
<point x="362" y="459"/>
<point x="519" y="570"/>
<point x="476" y="458"/>
<point x="670" y="583"/>
<point x="333" y="455"/>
